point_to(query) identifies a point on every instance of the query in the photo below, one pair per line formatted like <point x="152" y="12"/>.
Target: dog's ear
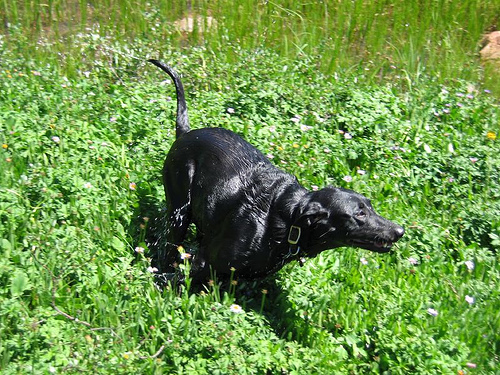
<point x="311" y="214"/>
<point x="313" y="225"/>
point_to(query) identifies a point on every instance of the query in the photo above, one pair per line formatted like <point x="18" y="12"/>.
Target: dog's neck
<point x="290" y="201"/>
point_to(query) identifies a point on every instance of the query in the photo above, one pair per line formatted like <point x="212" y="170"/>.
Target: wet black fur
<point x="244" y="207"/>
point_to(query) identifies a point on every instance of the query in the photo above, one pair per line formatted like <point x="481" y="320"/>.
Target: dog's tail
<point x="182" y="122"/>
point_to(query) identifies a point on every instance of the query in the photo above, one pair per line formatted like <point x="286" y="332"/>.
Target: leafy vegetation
<point x="81" y="152"/>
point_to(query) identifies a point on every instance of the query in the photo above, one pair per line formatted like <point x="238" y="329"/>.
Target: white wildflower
<point x="469" y="264"/>
<point x="237" y="309"/>
<point x="432" y="312"/>
<point x="470" y="300"/>
<point x="413" y="261"/>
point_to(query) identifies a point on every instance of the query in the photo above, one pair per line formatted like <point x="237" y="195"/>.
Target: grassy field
<point x="85" y="125"/>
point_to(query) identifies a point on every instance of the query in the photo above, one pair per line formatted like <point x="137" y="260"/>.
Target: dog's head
<point x="335" y="217"/>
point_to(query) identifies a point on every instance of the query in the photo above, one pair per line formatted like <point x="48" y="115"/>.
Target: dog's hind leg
<point x="178" y="195"/>
<point x="200" y="270"/>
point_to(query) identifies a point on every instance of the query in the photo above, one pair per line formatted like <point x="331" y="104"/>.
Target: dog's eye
<point x="361" y="214"/>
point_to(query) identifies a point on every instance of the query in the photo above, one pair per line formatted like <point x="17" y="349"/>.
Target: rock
<point x="187" y="24"/>
<point x="490" y="50"/>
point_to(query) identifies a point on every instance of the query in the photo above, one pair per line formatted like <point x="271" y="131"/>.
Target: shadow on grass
<point x="265" y="297"/>
<point x="271" y="300"/>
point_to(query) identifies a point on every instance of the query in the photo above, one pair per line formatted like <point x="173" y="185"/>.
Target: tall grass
<point x="373" y="38"/>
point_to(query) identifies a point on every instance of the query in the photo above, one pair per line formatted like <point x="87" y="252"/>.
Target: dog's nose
<point x="399" y="231"/>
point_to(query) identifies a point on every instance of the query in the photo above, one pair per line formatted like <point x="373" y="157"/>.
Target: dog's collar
<point x="294" y="235"/>
<point x="294" y="250"/>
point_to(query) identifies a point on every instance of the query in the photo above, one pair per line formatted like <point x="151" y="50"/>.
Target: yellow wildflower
<point x="491" y="135"/>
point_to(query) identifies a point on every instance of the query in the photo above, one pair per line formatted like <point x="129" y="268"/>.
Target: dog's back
<point x="215" y="151"/>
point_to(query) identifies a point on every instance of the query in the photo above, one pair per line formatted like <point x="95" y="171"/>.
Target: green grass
<point x="83" y="137"/>
<point x="69" y="230"/>
<point x="374" y="39"/>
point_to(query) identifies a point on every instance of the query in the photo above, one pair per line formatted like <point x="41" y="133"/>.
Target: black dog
<point x="251" y="217"/>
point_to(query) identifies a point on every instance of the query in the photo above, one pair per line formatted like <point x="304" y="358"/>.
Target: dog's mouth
<point x="379" y="246"/>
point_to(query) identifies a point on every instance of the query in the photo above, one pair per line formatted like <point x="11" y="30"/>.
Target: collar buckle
<point x="294" y="235"/>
